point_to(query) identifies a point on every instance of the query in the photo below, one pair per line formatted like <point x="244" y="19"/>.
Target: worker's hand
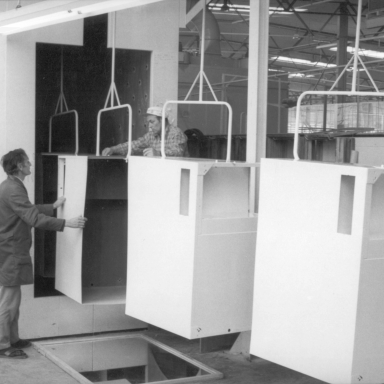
<point x="151" y="152"/>
<point x="107" y="152"/>
<point x="76" y="222"/>
<point x="59" y="202"/>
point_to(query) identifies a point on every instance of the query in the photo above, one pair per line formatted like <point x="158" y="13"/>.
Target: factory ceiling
<point x="308" y="30"/>
<point x="304" y="36"/>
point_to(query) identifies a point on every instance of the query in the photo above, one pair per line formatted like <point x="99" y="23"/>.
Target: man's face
<point x="154" y="125"/>
<point x="25" y="167"/>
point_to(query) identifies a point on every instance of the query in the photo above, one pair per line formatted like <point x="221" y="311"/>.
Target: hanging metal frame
<point x="353" y="92"/>
<point x="62" y="109"/>
<point x="201" y="76"/>
<point x="112" y="94"/>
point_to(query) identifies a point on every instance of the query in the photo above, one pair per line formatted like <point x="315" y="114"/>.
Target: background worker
<point x="150" y="143"/>
<point x="17" y="216"/>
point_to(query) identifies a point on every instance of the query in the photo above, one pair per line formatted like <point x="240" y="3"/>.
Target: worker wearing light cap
<point x="150" y="143"/>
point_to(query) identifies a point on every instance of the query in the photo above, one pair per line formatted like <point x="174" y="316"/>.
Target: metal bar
<point x="229" y="139"/>
<point x="210" y="87"/>
<point x="129" y="126"/>
<point x="76" y="129"/>
<point x="109" y="93"/>
<point x="352" y="16"/>
<point x="290" y="6"/>
<point x="241" y="123"/>
<point x="202" y="49"/>
<point x="341" y="74"/>
<point x="329" y="19"/>
<point x="240" y="15"/>
<point x="279" y="106"/>
<point x="312" y="4"/>
<point x="57" y="105"/>
<point x="61" y="80"/>
<point x="331" y="93"/>
<point x="116" y="94"/>
<point x="65" y="102"/>
<point x="356" y="53"/>
<point x="193" y="84"/>
<point x="113" y="55"/>
<point x="325" y="113"/>
<point x="368" y="74"/>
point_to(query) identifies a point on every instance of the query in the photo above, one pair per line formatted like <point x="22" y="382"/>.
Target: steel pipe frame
<point x="224" y="103"/>
<point x="62" y="103"/>
<point x="129" y="126"/>
<point x="76" y="128"/>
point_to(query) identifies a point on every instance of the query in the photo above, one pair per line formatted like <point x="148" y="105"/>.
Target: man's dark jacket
<point x="17" y="216"/>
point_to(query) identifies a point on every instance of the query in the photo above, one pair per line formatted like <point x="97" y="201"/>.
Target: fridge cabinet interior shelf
<point x="91" y="263"/>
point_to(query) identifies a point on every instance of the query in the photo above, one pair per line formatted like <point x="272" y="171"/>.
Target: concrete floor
<point x="237" y="369"/>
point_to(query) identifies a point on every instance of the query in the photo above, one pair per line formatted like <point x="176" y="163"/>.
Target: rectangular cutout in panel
<point x="347" y="191"/>
<point x="184" y="191"/>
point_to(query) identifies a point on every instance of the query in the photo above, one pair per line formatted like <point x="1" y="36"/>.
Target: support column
<point x="257" y="88"/>
<point x="3" y="130"/>
<point x="342" y="44"/>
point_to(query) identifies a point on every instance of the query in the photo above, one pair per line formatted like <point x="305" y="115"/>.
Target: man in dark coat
<point x="17" y="216"/>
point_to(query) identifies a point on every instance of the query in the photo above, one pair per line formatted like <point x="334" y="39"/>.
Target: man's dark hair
<point x="12" y="159"/>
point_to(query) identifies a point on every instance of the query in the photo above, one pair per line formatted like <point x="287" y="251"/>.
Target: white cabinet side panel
<point x="160" y="244"/>
<point x="306" y="272"/>
<point x="70" y="242"/>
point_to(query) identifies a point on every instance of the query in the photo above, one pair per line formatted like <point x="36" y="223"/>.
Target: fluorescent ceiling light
<point x="282" y="11"/>
<point x="232" y="8"/>
<point x="364" y="52"/>
<point x="275" y="70"/>
<point x="350" y="69"/>
<point x="302" y="62"/>
<point x="326" y="45"/>
<point x="299" y="75"/>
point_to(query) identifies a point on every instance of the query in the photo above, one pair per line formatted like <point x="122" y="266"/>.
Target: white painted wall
<point x="11" y="4"/>
<point x="154" y="27"/>
<point x="19" y="60"/>
<point x="51" y="316"/>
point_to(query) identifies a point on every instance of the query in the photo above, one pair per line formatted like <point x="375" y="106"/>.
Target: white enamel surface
<point x="69" y="244"/>
<point x="318" y="295"/>
<point x="190" y="271"/>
